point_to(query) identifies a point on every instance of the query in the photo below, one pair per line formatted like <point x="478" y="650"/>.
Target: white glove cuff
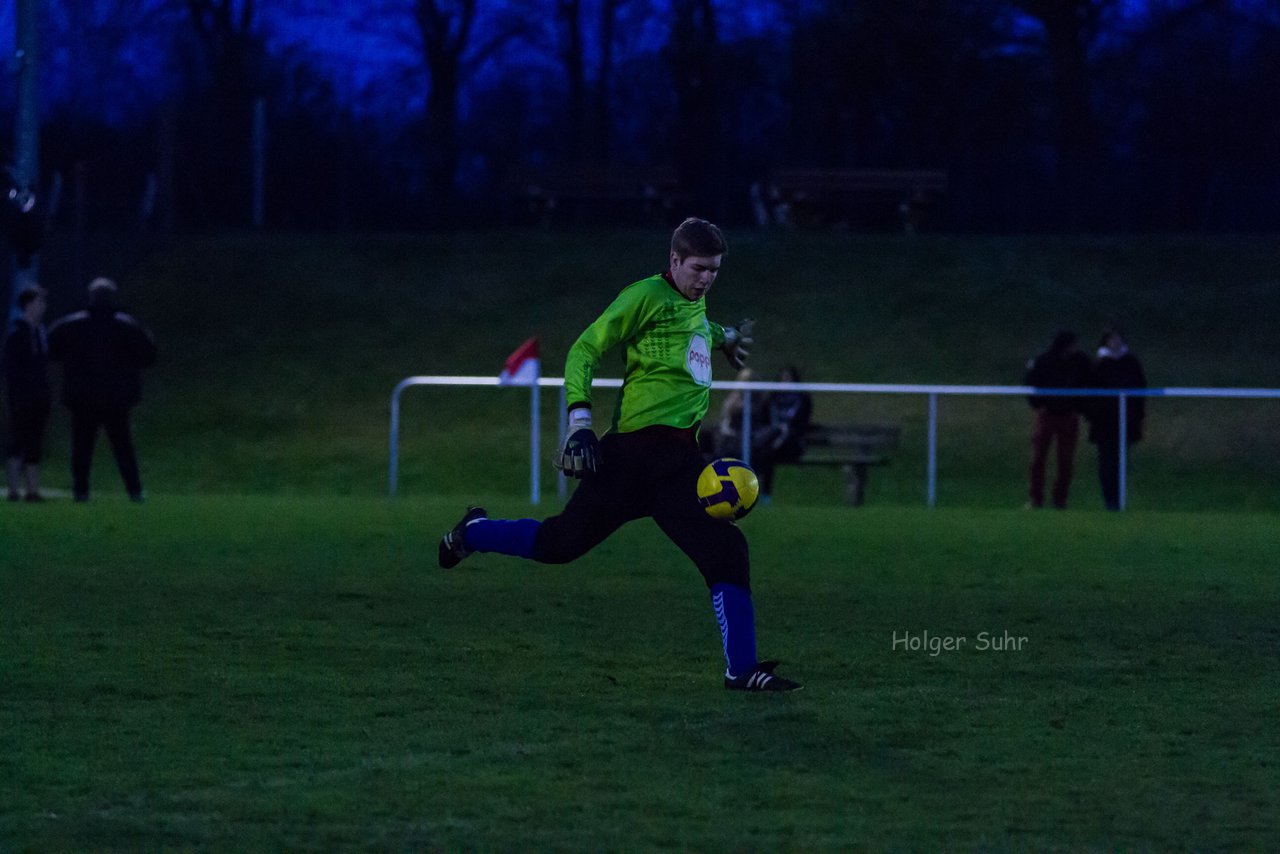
<point x="579" y="418"/>
<point x="731" y="336"/>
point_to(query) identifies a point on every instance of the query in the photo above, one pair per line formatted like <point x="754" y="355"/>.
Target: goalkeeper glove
<point x="580" y="455"/>
<point x="737" y="340"/>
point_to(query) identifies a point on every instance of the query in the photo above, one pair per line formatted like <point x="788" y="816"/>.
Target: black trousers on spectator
<point x="84" y="434"/>
<point x="1109" y="471"/>
<point x="27" y="422"/>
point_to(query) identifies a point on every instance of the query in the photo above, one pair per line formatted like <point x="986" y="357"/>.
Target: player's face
<point x="694" y="275"/>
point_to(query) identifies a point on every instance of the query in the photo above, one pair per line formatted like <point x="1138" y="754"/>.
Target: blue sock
<point x="504" y="536"/>
<point x="737" y="619"/>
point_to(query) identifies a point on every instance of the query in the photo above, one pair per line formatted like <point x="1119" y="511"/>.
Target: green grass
<point x="264" y="673"/>
<point x="264" y="657"/>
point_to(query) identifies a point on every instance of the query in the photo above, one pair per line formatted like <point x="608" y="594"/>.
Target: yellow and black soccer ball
<point x="728" y="489"/>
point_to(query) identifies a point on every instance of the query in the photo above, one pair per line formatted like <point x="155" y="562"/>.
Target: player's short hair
<point x="28" y="295"/>
<point x="698" y="237"/>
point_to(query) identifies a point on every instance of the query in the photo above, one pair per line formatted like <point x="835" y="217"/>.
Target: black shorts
<point x="651" y="472"/>
<point x="27" y="422"/>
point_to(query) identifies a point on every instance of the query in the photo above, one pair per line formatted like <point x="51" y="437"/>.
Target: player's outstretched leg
<point x="453" y="545"/>
<point x="476" y="532"/>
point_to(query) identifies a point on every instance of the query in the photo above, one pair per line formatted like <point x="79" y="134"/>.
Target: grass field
<point x="294" y="673"/>
<point x="264" y="656"/>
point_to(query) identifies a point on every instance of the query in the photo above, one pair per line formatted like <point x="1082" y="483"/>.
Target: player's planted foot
<point x="453" y="545"/>
<point x="761" y="678"/>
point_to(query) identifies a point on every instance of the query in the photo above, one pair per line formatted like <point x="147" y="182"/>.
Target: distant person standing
<point x="781" y="437"/>
<point x="727" y="439"/>
<point x="1055" y="418"/>
<point x="26" y="376"/>
<point x="1115" y="367"/>
<point x="103" y="351"/>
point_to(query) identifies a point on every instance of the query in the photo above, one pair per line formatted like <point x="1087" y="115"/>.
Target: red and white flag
<point x="523" y="367"/>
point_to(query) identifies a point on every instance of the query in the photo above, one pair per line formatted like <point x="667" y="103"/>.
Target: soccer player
<point x="648" y="463"/>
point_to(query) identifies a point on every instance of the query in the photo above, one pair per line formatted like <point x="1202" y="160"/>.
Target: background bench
<point x="818" y="197"/>
<point x="852" y="447"/>
<point x="586" y="194"/>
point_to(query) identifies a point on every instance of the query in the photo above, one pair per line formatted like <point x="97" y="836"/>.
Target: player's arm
<point x="624" y="319"/>
<point x="735" y="341"/>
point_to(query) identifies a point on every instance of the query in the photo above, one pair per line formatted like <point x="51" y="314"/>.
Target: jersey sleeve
<point x="623" y="320"/>
<point x="717" y="335"/>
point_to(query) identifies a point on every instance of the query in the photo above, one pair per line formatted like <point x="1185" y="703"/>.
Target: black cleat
<point x="453" y="545"/>
<point x="762" y="678"/>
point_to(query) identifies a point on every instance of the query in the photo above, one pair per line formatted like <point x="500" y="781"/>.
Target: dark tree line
<point x="1045" y="114"/>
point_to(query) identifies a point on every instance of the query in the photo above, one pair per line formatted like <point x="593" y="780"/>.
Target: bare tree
<point x="219" y="115"/>
<point x="1071" y="29"/>
<point x="601" y="113"/>
<point x="588" y="108"/>
<point x="691" y="54"/>
<point x="446" y="36"/>
<point x="573" y="54"/>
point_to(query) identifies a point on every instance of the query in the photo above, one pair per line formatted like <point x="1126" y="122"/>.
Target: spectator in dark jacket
<point x="1055" y="418"/>
<point x="1115" y="367"/>
<point x="781" y="438"/>
<point x="26" y="379"/>
<point x="103" y="351"/>
<point x="727" y="437"/>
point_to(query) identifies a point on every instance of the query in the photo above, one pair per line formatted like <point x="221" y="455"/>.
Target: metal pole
<point x="932" y="489"/>
<point x="746" y="426"/>
<point x="535" y="438"/>
<point x="562" y="482"/>
<point x="1124" y="448"/>
<point x="395" y="440"/>
<point x="259" y="161"/>
<point x="26" y="130"/>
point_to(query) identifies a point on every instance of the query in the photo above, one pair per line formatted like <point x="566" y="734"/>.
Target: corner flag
<point x="523" y="367"/>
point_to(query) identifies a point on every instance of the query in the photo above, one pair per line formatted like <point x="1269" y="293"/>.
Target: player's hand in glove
<point x="737" y="343"/>
<point x="580" y="455"/>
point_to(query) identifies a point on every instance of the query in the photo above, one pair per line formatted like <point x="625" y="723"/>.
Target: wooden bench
<point x="854" y="448"/>
<point x="818" y="196"/>
<point x="586" y="193"/>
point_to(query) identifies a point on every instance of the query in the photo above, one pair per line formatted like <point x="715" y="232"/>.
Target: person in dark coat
<point x="1055" y="418"/>
<point x="1115" y="367"/>
<point x="26" y="379"/>
<point x="103" y="351"/>
<point x="726" y="439"/>
<point x="781" y="437"/>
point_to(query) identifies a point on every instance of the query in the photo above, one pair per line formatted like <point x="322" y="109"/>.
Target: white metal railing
<point x="932" y="392"/>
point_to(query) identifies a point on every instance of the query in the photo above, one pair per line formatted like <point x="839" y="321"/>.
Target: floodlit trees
<point x="1046" y="114"/>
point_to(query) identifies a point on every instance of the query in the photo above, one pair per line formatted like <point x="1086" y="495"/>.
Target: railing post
<point x="395" y="440"/>
<point x="535" y="442"/>
<point x="562" y="482"/>
<point x="932" y="488"/>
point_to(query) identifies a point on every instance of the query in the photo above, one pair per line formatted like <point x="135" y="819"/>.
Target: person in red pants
<point x="1055" y="418"/>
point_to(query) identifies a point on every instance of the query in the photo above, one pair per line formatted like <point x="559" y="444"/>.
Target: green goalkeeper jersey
<point x="667" y="343"/>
